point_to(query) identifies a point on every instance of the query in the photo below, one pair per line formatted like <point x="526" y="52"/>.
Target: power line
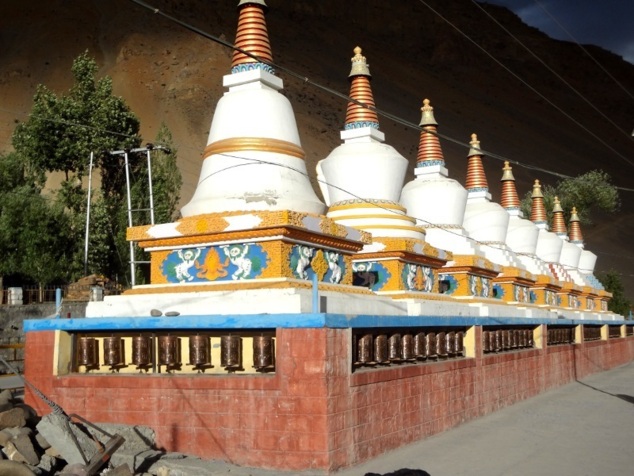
<point x="584" y="50"/>
<point x="382" y="113"/>
<point x="524" y="83"/>
<point x="557" y="75"/>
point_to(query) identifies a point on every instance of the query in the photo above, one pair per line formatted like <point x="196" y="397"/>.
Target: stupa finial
<point x="510" y="199"/>
<point x="361" y="112"/>
<point x="428" y="115"/>
<point x="575" y="228"/>
<point x="476" y="178"/>
<point x="559" y="225"/>
<point x="538" y="210"/>
<point x="429" y="150"/>
<point x="252" y="36"/>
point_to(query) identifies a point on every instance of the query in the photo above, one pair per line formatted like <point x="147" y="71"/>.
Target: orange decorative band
<point x="262" y="144"/>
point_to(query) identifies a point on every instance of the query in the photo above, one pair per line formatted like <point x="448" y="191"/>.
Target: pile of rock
<point x="44" y="447"/>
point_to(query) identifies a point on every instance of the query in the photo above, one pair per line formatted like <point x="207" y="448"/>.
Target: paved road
<point x="585" y="428"/>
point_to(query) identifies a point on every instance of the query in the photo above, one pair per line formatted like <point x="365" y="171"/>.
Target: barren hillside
<point x="167" y="73"/>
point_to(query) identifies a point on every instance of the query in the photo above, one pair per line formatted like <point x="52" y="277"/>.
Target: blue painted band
<point x="288" y="321"/>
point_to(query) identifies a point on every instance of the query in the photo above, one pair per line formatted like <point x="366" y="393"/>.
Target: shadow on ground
<point x="402" y="472"/>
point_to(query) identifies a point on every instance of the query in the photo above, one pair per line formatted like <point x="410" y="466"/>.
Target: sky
<point x="606" y="23"/>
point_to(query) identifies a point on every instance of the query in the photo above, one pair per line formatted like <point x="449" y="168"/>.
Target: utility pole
<point x="126" y="152"/>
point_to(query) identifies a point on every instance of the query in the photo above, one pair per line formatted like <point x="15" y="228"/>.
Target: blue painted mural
<point x="214" y="263"/>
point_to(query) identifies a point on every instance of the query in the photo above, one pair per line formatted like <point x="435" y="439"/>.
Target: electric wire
<point x="347" y="98"/>
<point x="254" y="161"/>
<point x="585" y="50"/>
<point x="516" y="76"/>
<point x="557" y="75"/>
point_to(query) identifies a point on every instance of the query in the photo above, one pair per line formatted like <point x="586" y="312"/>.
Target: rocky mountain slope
<point x="449" y="52"/>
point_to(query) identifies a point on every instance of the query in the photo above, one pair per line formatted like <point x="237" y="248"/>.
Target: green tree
<point x="613" y="283"/>
<point x="590" y="193"/>
<point x="166" y="178"/>
<point x="60" y="135"/>
<point x="35" y="253"/>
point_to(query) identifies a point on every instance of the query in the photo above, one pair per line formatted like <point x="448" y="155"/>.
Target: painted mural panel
<point x="214" y="263"/>
<point x="306" y="261"/>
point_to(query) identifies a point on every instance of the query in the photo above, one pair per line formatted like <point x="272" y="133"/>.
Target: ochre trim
<point x="369" y="204"/>
<point x="377" y="216"/>
<point x="261" y="144"/>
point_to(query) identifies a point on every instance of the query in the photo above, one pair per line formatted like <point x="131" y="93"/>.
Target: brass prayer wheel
<point x="380" y="349"/>
<point x="514" y="338"/>
<point x="365" y="350"/>
<point x="395" y="348"/>
<point x="200" y="352"/>
<point x="407" y="346"/>
<point x="459" y="343"/>
<point x="264" y="353"/>
<point x="88" y="353"/>
<point x="486" y="345"/>
<point x="430" y="337"/>
<point x="451" y="343"/>
<point x="169" y="352"/>
<point x="420" y="346"/>
<point x="114" y="352"/>
<point x="231" y="353"/>
<point x="441" y="344"/>
<point x="506" y="339"/>
<point x="142" y="352"/>
<point x="498" y="341"/>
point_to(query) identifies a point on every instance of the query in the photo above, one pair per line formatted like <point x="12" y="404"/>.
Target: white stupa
<point x="587" y="259"/>
<point x="486" y="221"/>
<point x="521" y="234"/>
<point x="570" y="253"/>
<point x="435" y="200"/>
<point x="253" y="159"/>
<point x="549" y="245"/>
<point x="361" y="179"/>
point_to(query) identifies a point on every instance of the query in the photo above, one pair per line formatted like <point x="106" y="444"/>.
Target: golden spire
<point x="559" y="225"/>
<point x="538" y="210"/>
<point x="575" y="229"/>
<point x="509" y="192"/>
<point x="252" y="36"/>
<point x="429" y="150"/>
<point x="476" y="178"/>
<point x="360" y="90"/>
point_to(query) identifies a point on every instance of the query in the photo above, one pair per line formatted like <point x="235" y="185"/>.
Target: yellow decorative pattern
<point x="319" y="265"/>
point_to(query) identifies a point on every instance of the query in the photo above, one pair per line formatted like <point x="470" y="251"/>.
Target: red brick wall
<point x="313" y="413"/>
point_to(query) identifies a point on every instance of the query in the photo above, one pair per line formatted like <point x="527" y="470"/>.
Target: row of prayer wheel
<point x="506" y="339"/>
<point x="591" y="333"/>
<point x="560" y="335"/>
<point x="383" y="349"/>
<point x="614" y="332"/>
<point x="169" y="355"/>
